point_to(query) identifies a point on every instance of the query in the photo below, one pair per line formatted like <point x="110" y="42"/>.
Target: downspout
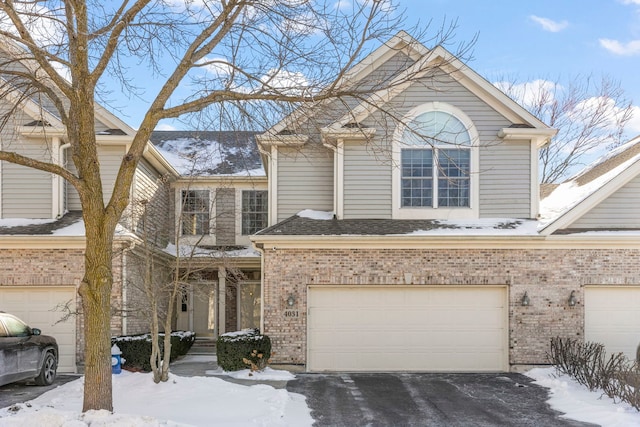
<point x="61" y="193"/>
<point x="123" y="277"/>
<point x="260" y="248"/>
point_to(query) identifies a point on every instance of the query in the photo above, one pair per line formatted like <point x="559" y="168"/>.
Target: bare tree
<point x="590" y="116"/>
<point x="229" y="55"/>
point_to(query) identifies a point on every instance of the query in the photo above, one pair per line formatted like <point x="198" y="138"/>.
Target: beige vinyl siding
<point x="26" y="192"/>
<point x="73" y="200"/>
<point x="110" y="158"/>
<point x="619" y="210"/>
<point x="505" y="173"/>
<point x="366" y="194"/>
<point x="505" y="167"/>
<point x="305" y="180"/>
<point x="148" y="187"/>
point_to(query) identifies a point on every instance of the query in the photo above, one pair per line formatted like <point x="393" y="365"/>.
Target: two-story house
<point x="415" y="244"/>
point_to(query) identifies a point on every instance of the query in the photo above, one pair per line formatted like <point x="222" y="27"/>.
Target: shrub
<point x="242" y="349"/>
<point x="588" y="364"/>
<point x="136" y="349"/>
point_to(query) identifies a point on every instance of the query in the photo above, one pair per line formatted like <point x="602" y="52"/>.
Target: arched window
<point x="435" y="154"/>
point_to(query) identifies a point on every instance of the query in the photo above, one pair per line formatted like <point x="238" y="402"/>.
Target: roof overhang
<point x="540" y="137"/>
<point x="538" y="242"/>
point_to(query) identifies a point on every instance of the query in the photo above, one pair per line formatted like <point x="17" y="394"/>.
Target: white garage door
<point x="612" y="318"/>
<point x="407" y="329"/>
<point x="37" y="307"/>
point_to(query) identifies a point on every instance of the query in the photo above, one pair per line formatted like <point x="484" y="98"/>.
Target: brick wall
<point x="548" y="276"/>
<point x="58" y="267"/>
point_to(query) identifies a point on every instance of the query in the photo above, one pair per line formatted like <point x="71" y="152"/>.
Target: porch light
<point x="572" y="299"/>
<point x="291" y="300"/>
<point x="525" y="300"/>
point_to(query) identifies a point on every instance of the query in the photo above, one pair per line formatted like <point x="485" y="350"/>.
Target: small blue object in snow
<point x="116" y="359"/>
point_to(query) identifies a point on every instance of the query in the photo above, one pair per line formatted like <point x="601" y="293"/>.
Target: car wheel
<point x="48" y="371"/>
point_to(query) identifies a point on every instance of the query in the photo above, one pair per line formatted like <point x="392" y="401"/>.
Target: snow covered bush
<point x="243" y="349"/>
<point x="136" y="349"/>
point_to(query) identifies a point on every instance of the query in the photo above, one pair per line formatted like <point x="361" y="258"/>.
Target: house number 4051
<point x="291" y="313"/>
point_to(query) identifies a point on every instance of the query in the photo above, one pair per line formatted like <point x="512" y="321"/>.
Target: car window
<point x="3" y="331"/>
<point x="16" y="328"/>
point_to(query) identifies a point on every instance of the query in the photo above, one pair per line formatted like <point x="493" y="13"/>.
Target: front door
<point x="197" y="309"/>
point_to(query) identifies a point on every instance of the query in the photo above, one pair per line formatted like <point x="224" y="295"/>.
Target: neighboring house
<point x="423" y="246"/>
<point x="42" y="235"/>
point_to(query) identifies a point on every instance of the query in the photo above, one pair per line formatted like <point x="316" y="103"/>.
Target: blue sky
<point x="525" y="40"/>
<point x="546" y="39"/>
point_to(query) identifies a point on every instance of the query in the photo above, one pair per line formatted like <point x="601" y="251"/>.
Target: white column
<point x="222" y="300"/>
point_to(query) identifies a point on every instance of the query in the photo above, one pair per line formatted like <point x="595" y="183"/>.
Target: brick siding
<point x="548" y="276"/>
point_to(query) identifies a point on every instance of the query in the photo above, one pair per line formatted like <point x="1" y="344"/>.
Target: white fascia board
<point x="271" y="139"/>
<point x="158" y="161"/>
<point x="575" y="241"/>
<point x="402" y="41"/>
<point x="540" y="137"/>
<point x="42" y="242"/>
<point x="592" y="200"/>
<point x="330" y="134"/>
<point x="230" y="180"/>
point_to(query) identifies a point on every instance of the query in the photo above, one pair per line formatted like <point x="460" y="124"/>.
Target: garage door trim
<point x="504" y="312"/>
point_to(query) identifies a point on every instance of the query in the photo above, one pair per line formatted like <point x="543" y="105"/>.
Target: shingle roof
<point x="42" y="229"/>
<point x="301" y="226"/>
<point x="218" y="152"/>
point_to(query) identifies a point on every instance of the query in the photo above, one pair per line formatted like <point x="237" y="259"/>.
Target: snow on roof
<point x="569" y="194"/>
<point x="185" y="250"/>
<point x="311" y="214"/>
<point x="482" y="227"/>
<point x="210" y="153"/>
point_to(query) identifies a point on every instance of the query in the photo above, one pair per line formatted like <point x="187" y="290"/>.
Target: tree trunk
<point x="95" y="291"/>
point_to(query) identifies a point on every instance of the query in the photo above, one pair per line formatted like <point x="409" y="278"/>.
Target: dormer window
<point x="436" y="158"/>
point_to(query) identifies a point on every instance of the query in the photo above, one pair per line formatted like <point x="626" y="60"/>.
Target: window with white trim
<point x="195" y="212"/>
<point x="436" y="158"/>
<point x="255" y="213"/>
<point x="436" y="162"/>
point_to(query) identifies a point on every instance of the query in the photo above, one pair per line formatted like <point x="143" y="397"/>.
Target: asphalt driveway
<point x="433" y="399"/>
<point x="21" y="392"/>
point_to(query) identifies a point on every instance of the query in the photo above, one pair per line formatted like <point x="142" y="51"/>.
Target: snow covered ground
<point x="182" y="401"/>
<point x="578" y="403"/>
<point x="206" y="401"/>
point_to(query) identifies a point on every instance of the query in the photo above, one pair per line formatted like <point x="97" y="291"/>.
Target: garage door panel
<point x="40" y="307"/>
<point x="612" y="318"/>
<point x="462" y="328"/>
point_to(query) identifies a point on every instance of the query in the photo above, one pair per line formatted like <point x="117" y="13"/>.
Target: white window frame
<point x="400" y="212"/>
<point x="242" y="191"/>
<point x="182" y="212"/>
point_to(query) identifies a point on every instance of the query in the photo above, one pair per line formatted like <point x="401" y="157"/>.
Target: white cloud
<point x="633" y="125"/>
<point x="631" y="2"/>
<point x="624" y="49"/>
<point x="42" y="23"/>
<point x="218" y="66"/>
<point x="601" y="107"/>
<point x="164" y="126"/>
<point x="530" y="94"/>
<point x="283" y="81"/>
<point x="549" y="24"/>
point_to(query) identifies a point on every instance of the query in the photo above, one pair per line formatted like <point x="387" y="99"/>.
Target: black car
<point x="25" y="354"/>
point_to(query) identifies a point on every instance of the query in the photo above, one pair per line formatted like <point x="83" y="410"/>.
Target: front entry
<point x="200" y="308"/>
<point x="197" y="310"/>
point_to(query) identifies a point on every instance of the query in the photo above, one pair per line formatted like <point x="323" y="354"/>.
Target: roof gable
<point x="574" y="198"/>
